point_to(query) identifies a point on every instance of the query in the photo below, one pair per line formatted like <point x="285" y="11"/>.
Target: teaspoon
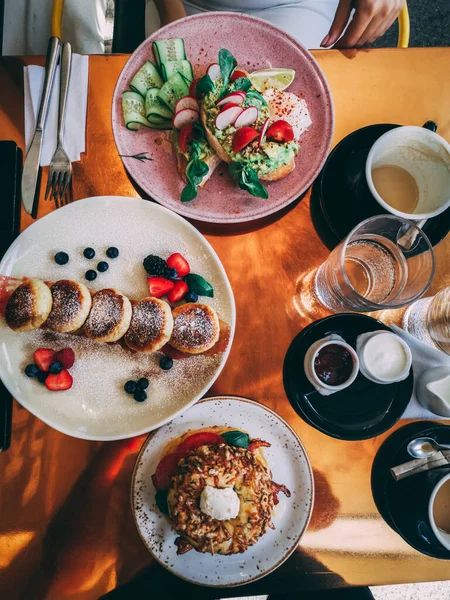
<point x="425" y="447"/>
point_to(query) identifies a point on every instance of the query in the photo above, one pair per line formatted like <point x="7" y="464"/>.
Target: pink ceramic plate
<point x="256" y="45"/>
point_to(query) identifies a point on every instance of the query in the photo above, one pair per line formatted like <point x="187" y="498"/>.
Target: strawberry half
<point x="243" y="137"/>
<point x="178" y="262"/>
<point x="66" y="357"/>
<point x="180" y="289"/>
<point x="43" y="358"/>
<point x="280" y="131"/>
<point x="59" y="383"/>
<point x="159" y="286"/>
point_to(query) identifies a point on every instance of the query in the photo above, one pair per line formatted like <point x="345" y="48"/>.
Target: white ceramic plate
<point x="290" y="466"/>
<point x="96" y="407"/>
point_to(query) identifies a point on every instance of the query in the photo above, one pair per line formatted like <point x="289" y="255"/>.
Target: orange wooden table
<point x="66" y="530"/>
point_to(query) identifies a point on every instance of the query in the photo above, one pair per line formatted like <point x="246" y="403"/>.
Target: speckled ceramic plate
<point x="96" y="407"/>
<point x="256" y="44"/>
<point x="290" y="466"/>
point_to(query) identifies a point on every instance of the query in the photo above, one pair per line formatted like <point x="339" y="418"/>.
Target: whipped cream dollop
<point x="219" y="503"/>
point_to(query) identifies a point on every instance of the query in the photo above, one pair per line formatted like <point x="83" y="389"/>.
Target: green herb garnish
<point x="247" y="179"/>
<point x="199" y="285"/>
<point x="227" y="64"/>
<point x="196" y="169"/>
<point x="242" y="84"/>
<point x="254" y="95"/>
<point x="205" y="85"/>
<point x="236" y="438"/>
<point x="161" y="501"/>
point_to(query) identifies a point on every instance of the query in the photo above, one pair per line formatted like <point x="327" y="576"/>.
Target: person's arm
<point x="371" y="19"/>
<point x="170" y="10"/>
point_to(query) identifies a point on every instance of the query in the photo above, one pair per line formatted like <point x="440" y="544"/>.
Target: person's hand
<point x="371" y="19"/>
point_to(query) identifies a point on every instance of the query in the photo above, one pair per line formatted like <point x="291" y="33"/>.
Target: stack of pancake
<point x="108" y="316"/>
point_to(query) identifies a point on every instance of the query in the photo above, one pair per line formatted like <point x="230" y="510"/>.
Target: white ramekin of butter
<point x="383" y="357"/>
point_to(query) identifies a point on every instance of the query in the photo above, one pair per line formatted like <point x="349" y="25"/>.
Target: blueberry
<point x="55" y="368"/>
<point x="142" y="383"/>
<point x="61" y="258"/>
<point x="130" y="387"/>
<point x="102" y="266"/>
<point x="171" y="273"/>
<point x="140" y="395"/>
<point x="90" y="275"/>
<point x="191" y="297"/>
<point x="89" y="253"/>
<point x="112" y="252"/>
<point x="166" y="363"/>
<point x="31" y="370"/>
<point x="41" y="376"/>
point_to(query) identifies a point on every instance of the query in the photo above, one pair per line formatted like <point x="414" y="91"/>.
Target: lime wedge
<point x="276" y="79"/>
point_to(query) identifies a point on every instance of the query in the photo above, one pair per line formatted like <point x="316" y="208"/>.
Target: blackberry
<point x="154" y="265"/>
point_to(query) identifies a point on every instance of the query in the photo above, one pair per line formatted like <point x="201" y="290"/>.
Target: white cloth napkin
<point x="75" y="122"/>
<point x="424" y="357"/>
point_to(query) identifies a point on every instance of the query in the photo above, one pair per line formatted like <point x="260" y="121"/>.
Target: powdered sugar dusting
<point x="147" y="325"/>
<point x="96" y="406"/>
<point x="67" y="304"/>
<point x="193" y="328"/>
<point x="106" y="312"/>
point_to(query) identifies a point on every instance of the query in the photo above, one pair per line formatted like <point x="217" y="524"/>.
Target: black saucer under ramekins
<point x="344" y="196"/>
<point x="404" y="504"/>
<point x="361" y="411"/>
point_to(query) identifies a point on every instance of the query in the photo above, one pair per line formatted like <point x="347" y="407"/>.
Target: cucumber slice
<point x="183" y="67"/>
<point x="147" y="77"/>
<point x="168" y="50"/>
<point x="154" y="107"/>
<point x="166" y="124"/>
<point x="174" y="89"/>
<point x="133" y="110"/>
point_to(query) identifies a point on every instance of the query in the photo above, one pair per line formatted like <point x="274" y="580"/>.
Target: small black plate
<point x="404" y="504"/>
<point x="345" y="198"/>
<point x="361" y="411"/>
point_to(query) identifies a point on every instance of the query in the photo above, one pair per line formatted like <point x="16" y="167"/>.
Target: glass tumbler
<point x="384" y="262"/>
<point x="429" y="320"/>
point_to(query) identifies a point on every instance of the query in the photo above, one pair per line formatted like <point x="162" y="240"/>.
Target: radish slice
<point x="184" y="117"/>
<point x="214" y="72"/>
<point x="263" y="132"/>
<point x="234" y="98"/>
<point x="187" y="102"/>
<point x="225" y="106"/>
<point x="247" y="117"/>
<point x="227" y="117"/>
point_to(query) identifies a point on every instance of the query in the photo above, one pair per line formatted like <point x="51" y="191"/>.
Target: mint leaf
<point x="199" y="285"/>
<point x="236" y="438"/>
<point x="243" y="83"/>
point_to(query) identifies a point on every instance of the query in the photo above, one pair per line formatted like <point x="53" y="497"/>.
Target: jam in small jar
<point x="333" y="364"/>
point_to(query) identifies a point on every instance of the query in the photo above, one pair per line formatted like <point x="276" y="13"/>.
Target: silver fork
<point x="60" y="172"/>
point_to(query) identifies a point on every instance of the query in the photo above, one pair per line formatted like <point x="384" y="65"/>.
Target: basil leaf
<point x="236" y="438"/>
<point x="227" y="64"/>
<point x="161" y="501"/>
<point x="243" y="83"/>
<point x="205" y="85"/>
<point x="247" y="179"/>
<point x="189" y="192"/>
<point x="199" y="285"/>
<point x="255" y="95"/>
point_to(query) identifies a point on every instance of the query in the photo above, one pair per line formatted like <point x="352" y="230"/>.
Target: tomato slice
<point x="165" y="470"/>
<point x="280" y="131"/>
<point x="194" y="441"/>
<point x="186" y="136"/>
<point x="243" y="137"/>
<point x="237" y="73"/>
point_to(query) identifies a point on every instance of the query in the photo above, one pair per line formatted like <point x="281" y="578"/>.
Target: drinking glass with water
<point x="371" y="269"/>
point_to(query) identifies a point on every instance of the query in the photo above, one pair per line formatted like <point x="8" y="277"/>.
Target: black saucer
<point x="361" y="411"/>
<point x="404" y="504"/>
<point x="345" y="198"/>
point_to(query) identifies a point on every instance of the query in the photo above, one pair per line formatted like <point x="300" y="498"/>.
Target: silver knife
<point x="31" y="166"/>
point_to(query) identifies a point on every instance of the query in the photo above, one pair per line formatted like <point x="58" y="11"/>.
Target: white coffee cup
<point x="442" y="536"/>
<point x="425" y="155"/>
